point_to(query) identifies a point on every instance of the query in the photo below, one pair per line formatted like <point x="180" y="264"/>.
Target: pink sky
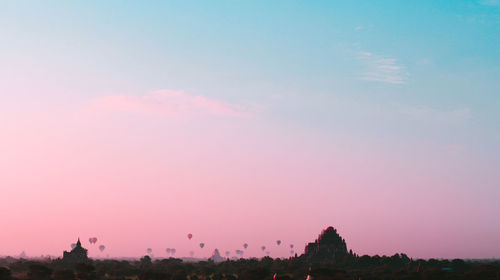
<point x="169" y="103"/>
<point x="249" y="121"/>
<point x="139" y="180"/>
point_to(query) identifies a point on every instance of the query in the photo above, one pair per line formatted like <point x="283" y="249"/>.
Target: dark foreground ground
<point x="365" y="267"/>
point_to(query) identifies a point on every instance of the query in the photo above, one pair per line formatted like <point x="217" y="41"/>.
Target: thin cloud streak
<point x="170" y="103"/>
<point x="490" y="2"/>
<point x="424" y="113"/>
<point x="382" y="69"/>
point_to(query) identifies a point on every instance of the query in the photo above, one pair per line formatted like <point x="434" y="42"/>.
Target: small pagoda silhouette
<point x="76" y="255"/>
<point x="216" y="257"/>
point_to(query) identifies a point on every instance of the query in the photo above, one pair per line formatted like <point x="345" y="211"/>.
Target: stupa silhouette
<point x="329" y="245"/>
<point x="216" y="257"/>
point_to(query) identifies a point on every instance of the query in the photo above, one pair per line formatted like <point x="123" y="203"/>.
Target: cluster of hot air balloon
<point x="239" y="252"/>
<point x="171" y="251"/>
<point x="92" y="240"/>
<point x="202" y="245"/>
<point x="278" y="243"/>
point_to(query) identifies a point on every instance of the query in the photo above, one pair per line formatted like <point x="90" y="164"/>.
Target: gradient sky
<point x="250" y="121"/>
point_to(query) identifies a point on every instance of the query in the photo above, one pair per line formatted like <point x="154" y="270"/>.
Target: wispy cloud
<point x="170" y="103"/>
<point x="425" y="113"/>
<point x="383" y="69"/>
<point x="424" y="61"/>
<point x="490" y="2"/>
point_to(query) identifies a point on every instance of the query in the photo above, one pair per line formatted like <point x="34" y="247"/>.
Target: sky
<point x="139" y="122"/>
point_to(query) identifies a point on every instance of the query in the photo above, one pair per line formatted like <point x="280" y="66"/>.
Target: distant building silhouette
<point x="216" y="257"/>
<point x="329" y="245"/>
<point x="76" y="255"/>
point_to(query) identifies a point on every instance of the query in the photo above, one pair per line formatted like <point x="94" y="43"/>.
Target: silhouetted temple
<point x="216" y="257"/>
<point x="76" y="255"/>
<point x="329" y="245"/>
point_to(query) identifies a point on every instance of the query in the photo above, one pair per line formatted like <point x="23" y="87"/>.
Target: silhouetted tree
<point x="5" y="273"/>
<point x="257" y="273"/>
<point x="39" y="272"/>
<point x="458" y="264"/>
<point x="151" y="274"/>
<point x="145" y="262"/>
<point x="85" y="271"/>
<point x="65" y="274"/>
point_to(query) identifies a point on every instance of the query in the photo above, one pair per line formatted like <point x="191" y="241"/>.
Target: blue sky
<point x="447" y="51"/>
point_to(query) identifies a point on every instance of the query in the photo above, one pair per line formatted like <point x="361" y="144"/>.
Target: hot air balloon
<point x="172" y="251"/>
<point x="73" y="245"/>
<point x="278" y="242"/>
<point x="245" y="245"/>
<point x="190" y="236"/>
<point x="102" y="247"/>
<point x="202" y="245"/>
<point x="168" y="250"/>
<point x="90" y="240"/>
<point x="291" y="252"/>
<point x="263" y="248"/>
<point x="94" y="240"/>
<point x="291" y="246"/>
<point x="149" y="250"/>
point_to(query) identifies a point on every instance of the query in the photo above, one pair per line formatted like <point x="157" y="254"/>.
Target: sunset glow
<point x="250" y="122"/>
